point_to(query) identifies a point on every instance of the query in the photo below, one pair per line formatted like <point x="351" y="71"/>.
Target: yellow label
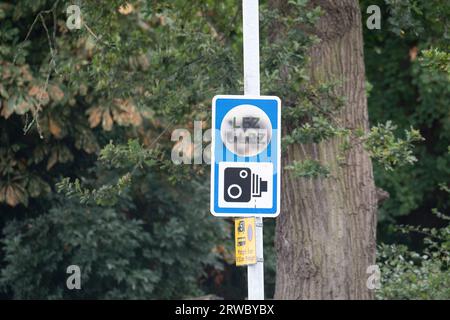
<point x="245" y="233"/>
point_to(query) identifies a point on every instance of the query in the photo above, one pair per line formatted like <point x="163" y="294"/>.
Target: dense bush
<point x="124" y="75"/>
<point x="114" y="255"/>
<point x="119" y="257"/>
<point x="408" y="274"/>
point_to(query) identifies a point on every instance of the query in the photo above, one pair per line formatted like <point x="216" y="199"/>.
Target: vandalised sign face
<point x="246" y="130"/>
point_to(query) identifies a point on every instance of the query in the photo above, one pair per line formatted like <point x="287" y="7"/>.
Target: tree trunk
<point x="326" y="231"/>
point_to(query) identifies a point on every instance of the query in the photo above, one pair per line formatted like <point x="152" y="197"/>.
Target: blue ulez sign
<point x="245" y="156"/>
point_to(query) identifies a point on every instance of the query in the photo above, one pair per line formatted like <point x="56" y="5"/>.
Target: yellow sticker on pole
<point x="244" y="230"/>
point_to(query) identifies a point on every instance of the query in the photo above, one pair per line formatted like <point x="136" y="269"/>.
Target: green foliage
<point x="131" y="157"/>
<point x="418" y="18"/>
<point x="132" y="154"/>
<point x="121" y="77"/>
<point x="117" y="257"/>
<point x="106" y="195"/>
<point x="389" y="150"/>
<point x="405" y="65"/>
<point x="310" y="111"/>
<point x="308" y="169"/>
<point x="313" y="116"/>
<point x="317" y="130"/>
<point x="38" y="251"/>
<point x="436" y="60"/>
<point x="408" y="274"/>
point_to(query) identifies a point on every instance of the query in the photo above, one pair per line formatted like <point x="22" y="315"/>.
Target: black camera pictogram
<point x="240" y="185"/>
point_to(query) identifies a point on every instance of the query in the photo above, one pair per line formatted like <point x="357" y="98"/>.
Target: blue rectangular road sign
<point x="245" y="156"/>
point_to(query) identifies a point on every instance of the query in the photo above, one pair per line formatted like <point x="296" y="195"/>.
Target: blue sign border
<point x="271" y="105"/>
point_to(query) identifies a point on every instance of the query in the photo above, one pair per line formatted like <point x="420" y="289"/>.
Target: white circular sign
<point x="246" y="130"/>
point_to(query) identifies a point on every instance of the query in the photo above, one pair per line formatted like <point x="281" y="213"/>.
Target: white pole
<point x="250" y="14"/>
<point x="250" y="10"/>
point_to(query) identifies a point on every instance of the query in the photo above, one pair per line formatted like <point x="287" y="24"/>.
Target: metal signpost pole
<point x="250" y="10"/>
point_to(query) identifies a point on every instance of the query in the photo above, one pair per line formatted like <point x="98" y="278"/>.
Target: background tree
<point x="408" y="70"/>
<point x="72" y="92"/>
<point x="326" y="230"/>
<point x="403" y="88"/>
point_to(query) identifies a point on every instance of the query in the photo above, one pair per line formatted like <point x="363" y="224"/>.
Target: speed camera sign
<point x="245" y="157"/>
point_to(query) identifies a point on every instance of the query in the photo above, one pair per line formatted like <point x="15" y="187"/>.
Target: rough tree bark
<point x="325" y="236"/>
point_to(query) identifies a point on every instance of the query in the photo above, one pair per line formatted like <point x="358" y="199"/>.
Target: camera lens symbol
<point x="232" y="191"/>
<point x="240" y="185"/>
